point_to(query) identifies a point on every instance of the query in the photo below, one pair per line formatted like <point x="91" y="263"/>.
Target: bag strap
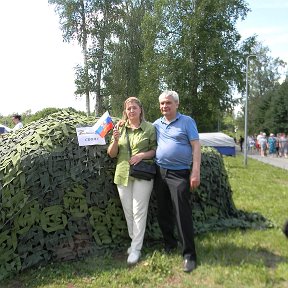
<point x="128" y="143"/>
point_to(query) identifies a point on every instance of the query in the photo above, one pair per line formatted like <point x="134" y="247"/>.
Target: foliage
<point x="75" y="22"/>
<point x="139" y="48"/>
<point x="271" y="115"/>
<point x="263" y="82"/>
<point x="42" y="114"/>
<point x="7" y="120"/>
<point x="227" y="124"/>
<point x="234" y="258"/>
<point x="92" y="24"/>
<point x="27" y="117"/>
<point x="122" y="77"/>
<point x="177" y="56"/>
<point x="58" y="201"/>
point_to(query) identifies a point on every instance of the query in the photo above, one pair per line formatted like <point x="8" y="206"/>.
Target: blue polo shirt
<point x="174" y="150"/>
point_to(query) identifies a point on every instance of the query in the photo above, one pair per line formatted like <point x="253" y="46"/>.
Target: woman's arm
<point x="135" y="159"/>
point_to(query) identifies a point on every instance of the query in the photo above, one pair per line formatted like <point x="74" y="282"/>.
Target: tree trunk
<point x="85" y="56"/>
<point x="99" y="100"/>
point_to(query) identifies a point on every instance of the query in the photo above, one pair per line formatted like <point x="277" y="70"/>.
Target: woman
<point x="272" y="145"/>
<point x="263" y="145"/>
<point x="283" y="146"/>
<point x="134" y="193"/>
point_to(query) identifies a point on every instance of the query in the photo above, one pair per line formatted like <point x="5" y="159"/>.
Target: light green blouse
<point x="141" y="139"/>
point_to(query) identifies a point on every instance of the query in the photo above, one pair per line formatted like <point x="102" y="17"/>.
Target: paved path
<point x="280" y="162"/>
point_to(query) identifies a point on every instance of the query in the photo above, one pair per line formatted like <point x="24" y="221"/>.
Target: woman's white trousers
<point x="135" y="200"/>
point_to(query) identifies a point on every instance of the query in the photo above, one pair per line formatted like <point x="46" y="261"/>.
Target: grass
<point x="234" y="258"/>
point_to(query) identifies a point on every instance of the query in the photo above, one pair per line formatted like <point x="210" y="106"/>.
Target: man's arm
<point x="195" y="174"/>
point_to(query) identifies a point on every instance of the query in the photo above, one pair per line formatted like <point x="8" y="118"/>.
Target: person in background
<point x="258" y="138"/>
<point x="272" y="145"/>
<point x="251" y="143"/>
<point x="16" y="119"/>
<point x="283" y="145"/>
<point x="178" y="158"/>
<point x="134" y="193"/>
<point x="263" y="145"/>
<point x="241" y="141"/>
<point x="277" y="144"/>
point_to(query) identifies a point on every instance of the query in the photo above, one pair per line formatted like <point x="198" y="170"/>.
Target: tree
<point x="271" y="115"/>
<point x="91" y="23"/>
<point x="75" y="17"/>
<point x="126" y="53"/>
<point x="105" y="27"/>
<point x="196" y="47"/>
<point x="263" y="78"/>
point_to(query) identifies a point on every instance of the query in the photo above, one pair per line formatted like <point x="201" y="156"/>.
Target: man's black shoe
<point x="189" y="265"/>
<point x="285" y="229"/>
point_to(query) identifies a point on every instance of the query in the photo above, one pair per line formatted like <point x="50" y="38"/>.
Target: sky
<point x="37" y="66"/>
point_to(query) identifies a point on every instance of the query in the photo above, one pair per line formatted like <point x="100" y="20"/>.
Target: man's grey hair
<point x="171" y="93"/>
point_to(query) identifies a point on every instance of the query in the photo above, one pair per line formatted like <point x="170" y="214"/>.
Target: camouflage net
<point x="58" y="201"/>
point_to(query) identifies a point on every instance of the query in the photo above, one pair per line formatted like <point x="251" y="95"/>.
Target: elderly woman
<point x="272" y="141"/>
<point x="134" y="193"/>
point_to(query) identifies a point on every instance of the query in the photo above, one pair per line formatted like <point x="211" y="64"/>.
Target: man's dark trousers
<point x="172" y="188"/>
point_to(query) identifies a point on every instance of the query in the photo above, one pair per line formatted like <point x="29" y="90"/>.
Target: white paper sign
<point x="87" y="136"/>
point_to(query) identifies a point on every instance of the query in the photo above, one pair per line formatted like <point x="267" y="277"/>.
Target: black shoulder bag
<point x="142" y="170"/>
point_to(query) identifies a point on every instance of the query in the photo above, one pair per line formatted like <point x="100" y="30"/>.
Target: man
<point x="178" y="144"/>
<point x="241" y="141"/>
<point x="17" y="122"/>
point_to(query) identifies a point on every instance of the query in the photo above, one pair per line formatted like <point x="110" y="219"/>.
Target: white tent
<point x="220" y="141"/>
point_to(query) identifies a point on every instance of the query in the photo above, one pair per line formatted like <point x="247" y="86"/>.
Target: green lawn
<point x="235" y="258"/>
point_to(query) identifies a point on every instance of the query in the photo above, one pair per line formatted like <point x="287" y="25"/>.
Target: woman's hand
<point x="120" y="123"/>
<point x="135" y="159"/>
<point x="113" y="147"/>
<point x="116" y="134"/>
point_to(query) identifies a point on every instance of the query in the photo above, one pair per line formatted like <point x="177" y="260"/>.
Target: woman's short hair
<point x="171" y="93"/>
<point x="138" y="102"/>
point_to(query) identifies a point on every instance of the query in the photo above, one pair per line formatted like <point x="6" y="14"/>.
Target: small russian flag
<point x="103" y="125"/>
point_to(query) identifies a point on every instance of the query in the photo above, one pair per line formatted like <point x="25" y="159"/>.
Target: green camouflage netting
<point x="58" y="200"/>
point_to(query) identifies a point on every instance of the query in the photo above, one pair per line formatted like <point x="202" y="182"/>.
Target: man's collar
<point x="164" y="120"/>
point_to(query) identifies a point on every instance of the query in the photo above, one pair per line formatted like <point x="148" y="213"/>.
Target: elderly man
<point x="178" y="158"/>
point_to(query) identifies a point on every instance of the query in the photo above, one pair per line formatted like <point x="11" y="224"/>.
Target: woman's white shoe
<point x="133" y="257"/>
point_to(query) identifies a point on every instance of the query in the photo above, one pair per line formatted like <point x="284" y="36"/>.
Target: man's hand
<point x="194" y="182"/>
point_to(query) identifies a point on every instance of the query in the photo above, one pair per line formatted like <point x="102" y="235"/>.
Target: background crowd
<point x="272" y="145"/>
